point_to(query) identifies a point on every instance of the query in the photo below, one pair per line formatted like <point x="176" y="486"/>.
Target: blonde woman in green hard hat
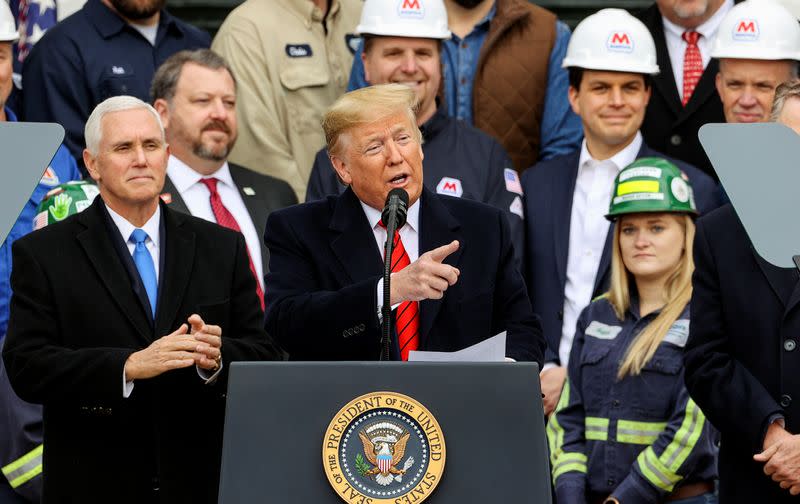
<point x="625" y="429"/>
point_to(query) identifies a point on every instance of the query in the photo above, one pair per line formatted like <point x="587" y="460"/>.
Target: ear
<point x="342" y="169"/>
<point x="572" y="96"/>
<point x="718" y="83"/>
<point x="365" y="67"/>
<point x="162" y="108"/>
<point x="91" y="165"/>
<point x="649" y="93"/>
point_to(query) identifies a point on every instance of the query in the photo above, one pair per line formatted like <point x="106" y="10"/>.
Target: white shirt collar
<point x="374" y="216"/>
<point x="184" y="177"/>
<point x="151" y="227"/>
<point x="707" y="29"/>
<point x="621" y="159"/>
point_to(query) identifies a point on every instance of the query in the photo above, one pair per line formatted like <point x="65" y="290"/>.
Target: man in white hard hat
<point x="567" y="253"/>
<point x="684" y="96"/>
<point x="502" y="73"/>
<point x="291" y="59"/>
<point x="20" y="422"/>
<point x="460" y="160"/>
<point x="758" y="45"/>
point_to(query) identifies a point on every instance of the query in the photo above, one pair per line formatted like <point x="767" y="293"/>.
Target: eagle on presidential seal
<point x="385" y="446"/>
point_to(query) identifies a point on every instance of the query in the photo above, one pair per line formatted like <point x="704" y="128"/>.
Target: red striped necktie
<point x="692" y="64"/>
<point x="225" y="218"/>
<point x="407" y="319"/>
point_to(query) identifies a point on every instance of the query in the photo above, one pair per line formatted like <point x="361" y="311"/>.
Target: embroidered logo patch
<point x="299" y="50"/>
<point x="450" y="187"/>
<point x="602" y="331"/>
<point x="678" y="334"/>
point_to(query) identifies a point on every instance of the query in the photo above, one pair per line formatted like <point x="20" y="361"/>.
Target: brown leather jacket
<point x="511" y="79"/>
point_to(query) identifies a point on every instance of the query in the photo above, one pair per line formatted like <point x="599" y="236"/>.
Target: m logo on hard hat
<point x="746" y="30"/>
<point x="620" y="42"/>
<point x="411" y="8"/>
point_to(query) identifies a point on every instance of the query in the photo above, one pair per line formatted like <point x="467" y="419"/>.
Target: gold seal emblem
<point x="383" y="448"/>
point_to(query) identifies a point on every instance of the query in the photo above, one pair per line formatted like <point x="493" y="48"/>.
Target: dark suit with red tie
<point x="325" y="266"/>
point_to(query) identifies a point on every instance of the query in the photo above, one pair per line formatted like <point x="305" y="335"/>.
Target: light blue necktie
<point x="144" y="263"/>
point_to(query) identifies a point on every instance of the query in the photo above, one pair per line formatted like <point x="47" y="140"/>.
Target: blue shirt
<point x="93" y="55"/>
<point x="561" y="129"/>
<point x="62" y="169"/>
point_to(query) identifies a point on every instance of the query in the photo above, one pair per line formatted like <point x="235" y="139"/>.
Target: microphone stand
<point x="386" y="309"/>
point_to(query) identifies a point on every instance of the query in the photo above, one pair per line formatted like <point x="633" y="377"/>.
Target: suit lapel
<point x="605" y="263"/>
<point x="97" y="243"/>
<point x="664" y="82"/>
<point x="437" y="227"/>
<point x="353" y="242"/>
<point x="175" y="201"/>
<point x="782" y="285"/>
<point x="561" y="195"/>
<point x="256" y="207"/>
<point x="178" y="252"/>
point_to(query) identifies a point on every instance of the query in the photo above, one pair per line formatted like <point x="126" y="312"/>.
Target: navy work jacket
<point x="93" y="55"/>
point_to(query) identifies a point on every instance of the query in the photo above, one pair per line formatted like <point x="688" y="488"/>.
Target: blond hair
<point x="367" y="105"/>
<point x="677" y="292"/>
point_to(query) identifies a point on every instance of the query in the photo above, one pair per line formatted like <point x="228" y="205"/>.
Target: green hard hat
<point x="64" y="200"/>
<point x="651" y="185"/>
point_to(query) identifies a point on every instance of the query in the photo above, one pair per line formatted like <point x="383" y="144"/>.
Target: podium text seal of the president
<point x="383" y="448"/>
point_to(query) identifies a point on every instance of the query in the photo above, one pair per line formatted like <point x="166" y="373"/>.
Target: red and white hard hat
<point x="404" y="18"/>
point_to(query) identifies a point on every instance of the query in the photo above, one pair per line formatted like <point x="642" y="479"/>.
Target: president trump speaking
<point x="454" y="281"/>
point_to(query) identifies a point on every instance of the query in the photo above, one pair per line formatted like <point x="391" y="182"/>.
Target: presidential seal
<point x="383" y="448"/>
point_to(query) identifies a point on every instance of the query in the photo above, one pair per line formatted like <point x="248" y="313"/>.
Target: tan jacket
<point x="288" y="72"/>
<point x="511" y="79"/>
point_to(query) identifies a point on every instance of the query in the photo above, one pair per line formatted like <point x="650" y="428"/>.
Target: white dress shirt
<point x="588" y="230"/>
<point x="153" y="229"/>
<point x="676" y="46"/>
<point x="409" y="235"/>
<point x="196" y="196"/>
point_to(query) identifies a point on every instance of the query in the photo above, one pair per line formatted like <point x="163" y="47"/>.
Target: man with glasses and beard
<point x="108" y="48"/>
<point x="195" y="94"/>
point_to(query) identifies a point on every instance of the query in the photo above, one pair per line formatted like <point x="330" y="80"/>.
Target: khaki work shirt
<point x="288" y="72"/>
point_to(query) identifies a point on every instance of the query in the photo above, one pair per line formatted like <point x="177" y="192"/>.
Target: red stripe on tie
<point x="407" y="319"/>
<point x="692" y="64"/>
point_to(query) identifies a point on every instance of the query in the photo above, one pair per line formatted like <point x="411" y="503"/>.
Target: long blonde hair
<point x="677" y="292"/>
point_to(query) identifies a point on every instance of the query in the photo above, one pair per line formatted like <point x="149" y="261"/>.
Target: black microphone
<point x="397" y="204"/>
<point x="393" y="217"/>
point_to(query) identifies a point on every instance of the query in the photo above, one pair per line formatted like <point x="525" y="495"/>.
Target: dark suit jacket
<point x="549" y="187"/>
<point x="740" y="365"/>
<point x="270" y="194"/>
<point x="325" y="267"/>
<point x="77" y="313"/>
<point x="668" y="126"/>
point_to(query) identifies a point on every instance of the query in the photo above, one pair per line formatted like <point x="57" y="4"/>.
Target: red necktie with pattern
<point x="225" y="218"/>
<point x="692" y="64"/>
<point x="407" y="319"/>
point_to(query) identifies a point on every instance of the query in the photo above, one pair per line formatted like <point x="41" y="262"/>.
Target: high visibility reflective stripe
<point x="596" y="429"/>
<point x="637" y="186"/>
<point x="24" y="468"/>
<point x="569" y="462"/>
<point x="645" y="433"/>
<point x="555" y="433"/>
<point x="684" y="440"/>
<point x="655" y="472"/>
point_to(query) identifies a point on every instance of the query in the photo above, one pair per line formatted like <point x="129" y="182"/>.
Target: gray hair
<point x="787" y="90"/>
<point x="93" y="131"/>
<point x="165" y="81"/>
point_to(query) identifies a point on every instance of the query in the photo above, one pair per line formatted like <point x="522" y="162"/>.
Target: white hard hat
<point x="758" y="29"/>
<point x="614" y="40"/>
<point x="404" y="18"/>
<point x="8" y="28"/>
<point x="792" y="6"/>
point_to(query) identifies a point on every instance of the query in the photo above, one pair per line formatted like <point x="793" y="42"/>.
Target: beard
<point x="468" y="4"/>
<point x="219" y="154"/>
<point x="691" y="11"/>
<point x="137" y="10"/>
